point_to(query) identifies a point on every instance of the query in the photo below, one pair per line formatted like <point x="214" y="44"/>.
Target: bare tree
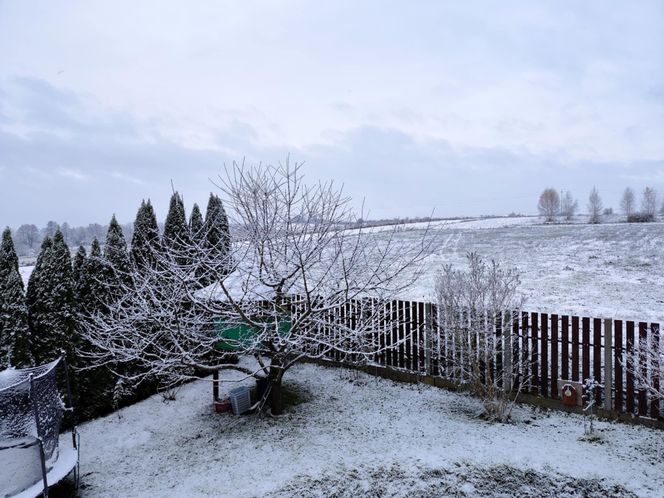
<point x="472" y="306"/>
<point x="595" y="206"/>
<point x="549" y="204"/>
<point x="649" y="203"/>
<point x="627" y="202"/>
<point x="28" y="235"/>
<point x="568" y="206"/>
<point x="292" y="264"/>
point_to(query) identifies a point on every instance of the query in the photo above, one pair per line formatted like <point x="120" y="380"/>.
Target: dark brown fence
<point x="545" y="349"/>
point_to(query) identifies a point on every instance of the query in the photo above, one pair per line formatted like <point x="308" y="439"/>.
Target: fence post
<point x="428" y="336"/>
<point x="608" y="363"/>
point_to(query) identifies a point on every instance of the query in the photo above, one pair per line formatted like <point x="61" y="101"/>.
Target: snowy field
<point x="354" y="435"/>
<point x="611" y="270"/>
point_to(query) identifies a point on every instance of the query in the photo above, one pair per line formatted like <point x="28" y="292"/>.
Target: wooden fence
<point x="542" y="348"/>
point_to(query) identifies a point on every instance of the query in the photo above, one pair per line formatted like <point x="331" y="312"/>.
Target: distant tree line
<point x="553" y="206"/>
<point x="64" y="292"/>
<point x="28" y="237"/>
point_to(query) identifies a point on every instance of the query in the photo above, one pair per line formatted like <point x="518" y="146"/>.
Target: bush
<point x="640" y="218"/>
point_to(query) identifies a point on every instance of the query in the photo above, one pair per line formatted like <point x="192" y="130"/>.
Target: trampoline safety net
<point x="20" y="389"/>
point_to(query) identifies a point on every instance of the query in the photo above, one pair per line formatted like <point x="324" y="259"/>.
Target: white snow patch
<point x="349" y="422"/>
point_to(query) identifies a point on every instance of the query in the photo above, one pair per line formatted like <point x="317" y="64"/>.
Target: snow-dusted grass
<point x="355" y="434"/>
<point x="605" y="271"/>
<point x="611" y="270"/>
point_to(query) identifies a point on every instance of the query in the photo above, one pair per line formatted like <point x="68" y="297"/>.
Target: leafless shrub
<point x="474" y="305"/>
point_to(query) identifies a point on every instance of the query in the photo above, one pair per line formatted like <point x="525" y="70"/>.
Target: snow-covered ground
<point x="355" y="435"/>
<point x="611" y="270"/>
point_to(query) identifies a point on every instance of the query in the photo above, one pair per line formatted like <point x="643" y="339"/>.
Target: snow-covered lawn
<point x="352" y="435"/>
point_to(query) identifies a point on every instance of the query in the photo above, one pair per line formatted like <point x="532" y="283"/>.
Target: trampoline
<point x="31" y="410"/>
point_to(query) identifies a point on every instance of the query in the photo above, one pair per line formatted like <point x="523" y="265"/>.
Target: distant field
<point x="611" y="270"/>
<point x="608" y="270"/>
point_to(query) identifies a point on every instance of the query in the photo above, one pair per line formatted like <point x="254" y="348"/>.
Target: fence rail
<point x="543" y="348"/>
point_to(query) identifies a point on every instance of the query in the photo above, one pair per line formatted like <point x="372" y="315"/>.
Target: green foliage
<point x="50" y="300"/>
<point x="94" y="290"/>
<point x="14" y="330"/>
<point x="77" y="264"/>
<point x="119" y="266"/>
<point x="145" y="241"/>
<point x="176" y="232"/>
<point x="217" y="233"/>
<point x="8" y="257"/>
<point x="196" y="225"/>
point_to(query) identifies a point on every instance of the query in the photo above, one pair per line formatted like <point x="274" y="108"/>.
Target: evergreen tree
<point x="176" y="232"/>
<point x="95" y="386"/>
<point x="115" y="254"/>
<point x="217" y="232"/>
<point x="14" y="335"/>
<point x="176" y="241"/>
<point x="8" y="257"/>
<point x="50" y="302"/>
<point x="196" y="225"/>
<point x="8" y="265"/>
<point x="145" y="241"/>
<point x="77" y="265"/>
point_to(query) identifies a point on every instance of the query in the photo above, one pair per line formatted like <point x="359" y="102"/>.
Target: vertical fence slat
<point x="407" y="337"/>
<point x="389" y="325"/>
<point x="608" y="363"/>
<point x="597" y="357"/>
<point x="497" y="323"/>
<point x="515" y="371"/>
<point x="422" y="327"/>
<point x="554" y="356"/>
<point x="400" y="335"/>
<point x="629" y="402"/>
<point x="564" y="342"/>
<point x="525" y="362"/>
<point x="618" y="365"/>
<point x="585" y="350"/>
<point x="534" y="357"/>
<point x="654" y="369"/>
<point x="643" y="368"/>
<point x="437" y="342"/>
<point x="544" y="354"/>
<point x="575" y="349"/>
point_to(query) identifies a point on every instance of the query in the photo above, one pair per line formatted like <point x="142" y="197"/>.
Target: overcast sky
<point x="464" y="107"/>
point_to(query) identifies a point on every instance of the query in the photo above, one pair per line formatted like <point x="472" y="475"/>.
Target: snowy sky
<point x="466" y="107"/>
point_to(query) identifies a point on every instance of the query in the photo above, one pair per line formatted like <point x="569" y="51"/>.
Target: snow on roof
<point x="240" y="286"/>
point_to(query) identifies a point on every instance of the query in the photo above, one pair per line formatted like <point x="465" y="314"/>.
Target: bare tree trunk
<point x="275" y="391"/>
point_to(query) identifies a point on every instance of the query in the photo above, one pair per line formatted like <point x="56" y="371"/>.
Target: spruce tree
<point x="176" y="240"/>
<point x="176" y="231"/>
<point x="8" y="257"/>
<point x="95" y="385"/>
<point x="119" y="265"/>
<point x="217" y="233"/>
<point x="50" y="301"/>
<point x="8" y="264"/>
<point x="145" y="241"/>
<point x="77" y="265"/>
<point x="15" y="333"/>
<point x="196" y="226"/>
